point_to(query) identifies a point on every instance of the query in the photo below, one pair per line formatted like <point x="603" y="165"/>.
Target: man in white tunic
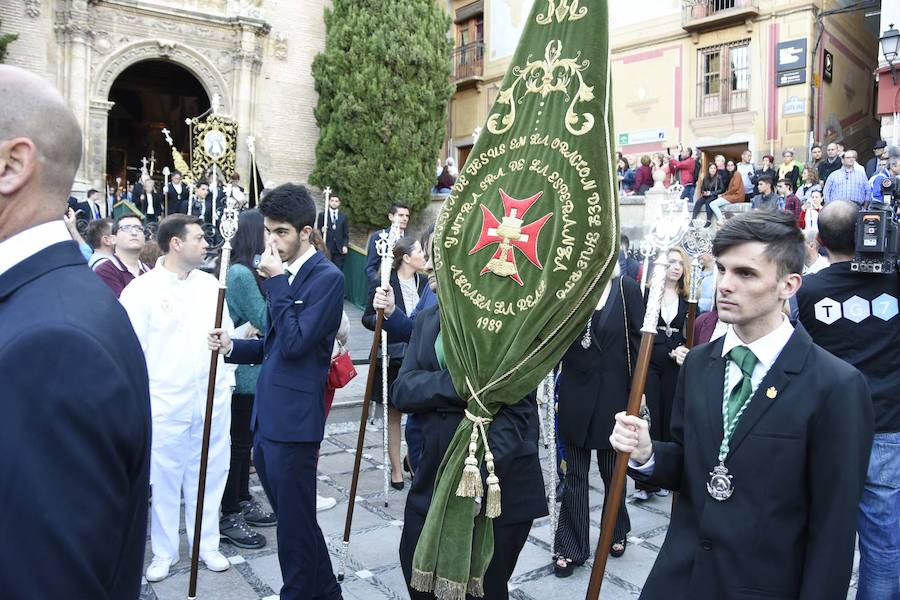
<point x="171" y="309"/>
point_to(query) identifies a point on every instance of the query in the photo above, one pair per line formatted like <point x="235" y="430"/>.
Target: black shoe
<point x="397" y="485"/>
<point x="617" y="553"/>
<point x="256" y="516"/>
<point x="233" y="529"/>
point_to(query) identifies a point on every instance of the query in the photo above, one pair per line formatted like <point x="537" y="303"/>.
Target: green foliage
<point x="6" y="40"/>
<point x="384" y="86"/>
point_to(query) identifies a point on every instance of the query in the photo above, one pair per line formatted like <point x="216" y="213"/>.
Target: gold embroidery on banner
<point x="566" y="9"/>
<point x="545" y="77"/>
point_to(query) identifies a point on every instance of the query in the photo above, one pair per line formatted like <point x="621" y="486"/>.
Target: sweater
<point x="246" y="304"/>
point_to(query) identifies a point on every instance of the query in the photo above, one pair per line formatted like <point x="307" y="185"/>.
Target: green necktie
<point x="439" y="350"/>
<point x="744" y="358"/>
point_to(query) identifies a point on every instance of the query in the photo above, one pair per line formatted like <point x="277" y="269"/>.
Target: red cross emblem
<point x="508" y="234"/>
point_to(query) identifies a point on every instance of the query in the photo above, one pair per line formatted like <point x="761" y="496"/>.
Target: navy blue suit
<point x="373" y="261"/>
<point x="289" y="416"/>
<point x="75" y="434"/>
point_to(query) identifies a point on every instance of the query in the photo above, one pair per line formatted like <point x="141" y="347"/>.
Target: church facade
<point x="252" y="57"/>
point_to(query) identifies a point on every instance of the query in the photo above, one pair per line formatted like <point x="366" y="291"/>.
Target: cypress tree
<point x="384" y="86"/>
<point x="6" y="40"/>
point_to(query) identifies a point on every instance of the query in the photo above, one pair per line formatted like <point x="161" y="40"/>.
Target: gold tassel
<point x="492" y="508"/>
<point x="444" y="589"/>
<point x="476" y="587"/>
<point x="422" y="581"/>
<point x="470" y="484"/>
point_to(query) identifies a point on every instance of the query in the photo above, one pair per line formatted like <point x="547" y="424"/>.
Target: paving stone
<point x="228" y="585"/>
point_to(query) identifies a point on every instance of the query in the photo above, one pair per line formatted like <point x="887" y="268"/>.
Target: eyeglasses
<point x="131" y="228"/>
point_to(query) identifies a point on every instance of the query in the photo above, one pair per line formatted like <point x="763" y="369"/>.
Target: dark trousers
<point x="288" y="474"/>
<point x="237" y="487"/>
<point x="338" y="259"/>
<point x="701" y="202"/>
<point x="413" y="440"/>
<point x="573" y="540"/>
<point x="662" y="377"/>
<point x="508" y="543"/>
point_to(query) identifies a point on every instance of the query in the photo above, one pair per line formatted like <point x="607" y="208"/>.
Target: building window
<point x="724" y="85"/>
<point x="468" y="57"/>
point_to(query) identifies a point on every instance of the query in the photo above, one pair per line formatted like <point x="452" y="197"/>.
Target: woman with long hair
<point x="247" y="307"/>
<point x="710" y="189"/>
<point x="408" y="283"/>
<point x="809" y="179"/>
<point x="662" y="376"/>
<point x="594" y="382"/>
<point x="733" y="193"/>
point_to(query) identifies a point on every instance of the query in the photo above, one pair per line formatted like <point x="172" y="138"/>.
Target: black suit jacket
<point x="338" y="232"/>
<point x="86" y="213"/>
<point x="594" y="381"/>
<point x="176" y="200"/>
<point x="423" y="388"/>
<point x="799" y="463"/>
<point x="75" y="482"/>
<point x="142" y="201"/>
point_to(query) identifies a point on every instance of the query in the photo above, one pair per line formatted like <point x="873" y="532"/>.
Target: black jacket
<point x="595" y="381"/>
<point x="426" y="390"/>
<point x="396" y="349"/>
<point x="338" y="232"/>
<point x="176" y="200"/>
<point x="798" y="458"/>
<point x="76" y="478"/>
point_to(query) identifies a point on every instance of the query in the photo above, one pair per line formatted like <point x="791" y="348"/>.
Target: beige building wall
<point x="255" y="54"/>
<point x="656" y="77"/>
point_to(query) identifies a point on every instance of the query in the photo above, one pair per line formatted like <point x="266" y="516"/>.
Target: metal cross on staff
<point x="668" y="231"/>
<point x="228" y="227"/>
<point x="327" y="192"/>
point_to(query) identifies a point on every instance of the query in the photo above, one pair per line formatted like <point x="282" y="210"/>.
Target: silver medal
<point x="719" y="486"/>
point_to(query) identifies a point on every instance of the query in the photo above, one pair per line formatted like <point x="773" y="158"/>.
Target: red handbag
<point x="341" y="371"/>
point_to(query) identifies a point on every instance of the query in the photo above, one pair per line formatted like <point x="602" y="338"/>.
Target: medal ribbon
<point x="739" y="398"/>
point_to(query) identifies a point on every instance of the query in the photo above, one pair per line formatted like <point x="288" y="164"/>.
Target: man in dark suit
<point x="337" y="236"/>
<point x="201" y="205"/>
<point x="770" y="440"/>
<point x="89" y="210"/>
<point x="77" y="440"/>
<point x="177" y="193"/>
<point x="425" y="389"/>
<point x="150" y="202"/>
<point x="398" y="213"/>
<point x="305" y="298"/>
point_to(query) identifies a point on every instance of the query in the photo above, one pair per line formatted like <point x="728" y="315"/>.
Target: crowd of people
<point x="797" y="187"/>
<point x="778" y="430"/>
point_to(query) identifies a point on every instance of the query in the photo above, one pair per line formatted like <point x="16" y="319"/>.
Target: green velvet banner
<point x="524" y="246"/>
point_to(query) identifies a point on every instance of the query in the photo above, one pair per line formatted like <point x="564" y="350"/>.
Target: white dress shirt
<point x="767" y="349"/>
<point x="27" y="243"/>
<point x="291" y="269"/>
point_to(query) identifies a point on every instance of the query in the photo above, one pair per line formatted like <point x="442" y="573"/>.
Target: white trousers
<point x="175" y="470"/>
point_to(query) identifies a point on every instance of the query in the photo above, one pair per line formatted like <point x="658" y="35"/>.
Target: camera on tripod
<point x="877" y="236"/>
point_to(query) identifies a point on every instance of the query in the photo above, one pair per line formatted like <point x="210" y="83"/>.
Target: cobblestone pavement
<point x="373" y="572"/>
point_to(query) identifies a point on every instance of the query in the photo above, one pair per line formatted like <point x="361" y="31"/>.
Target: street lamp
<point x="890" y="44"/>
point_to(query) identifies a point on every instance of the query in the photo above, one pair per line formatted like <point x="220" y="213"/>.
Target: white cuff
<point x="644" y="469"/>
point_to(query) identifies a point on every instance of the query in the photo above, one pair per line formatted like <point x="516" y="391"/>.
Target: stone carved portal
<point x="148" y="97"/>
<point x="198" y="77"/>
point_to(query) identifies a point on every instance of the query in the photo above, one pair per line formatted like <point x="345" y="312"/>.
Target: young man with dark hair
<point x="628" y="265"/>
<point x="854" y="316"/>
<point x="126" y="263"/>
<point x="770" y="440"/>
<point x="89" y="210"/>
<point x="789" y="199"/>
<point x="766" y="199"/>
<point x="335" y="229"/>
<point x="201" y="205"/>
<point x="305" y="293"/>
<point x="171" y="307"/>
<point x="398" y="213"/>
<point x="100" y="239"/>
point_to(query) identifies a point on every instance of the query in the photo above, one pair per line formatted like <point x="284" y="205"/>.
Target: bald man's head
<point x="837" y="227"/>
<point x="32" y="109"/>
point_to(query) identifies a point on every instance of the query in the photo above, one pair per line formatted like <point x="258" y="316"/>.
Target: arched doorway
<point x="147" y="97"/>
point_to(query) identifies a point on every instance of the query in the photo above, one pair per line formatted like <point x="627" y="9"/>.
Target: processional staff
<point x="166" y="174"/>
<point x="668" y="231"/>
<point x="228" y="228"/>
<point x="385" y="247"/>
<point x="386" y="252"/>
<point x="327" y="192"/>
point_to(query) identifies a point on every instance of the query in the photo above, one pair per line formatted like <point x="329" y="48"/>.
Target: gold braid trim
<point x="444" y="589"/>
<point x="422" y="581"/>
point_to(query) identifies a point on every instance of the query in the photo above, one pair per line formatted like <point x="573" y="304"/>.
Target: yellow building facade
<point x="719" y="75"/>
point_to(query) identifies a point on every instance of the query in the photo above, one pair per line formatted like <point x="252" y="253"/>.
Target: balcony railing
<point x="711" y="14"/>
<point x="468" y="61"/>
<point x="722" y="102"/>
